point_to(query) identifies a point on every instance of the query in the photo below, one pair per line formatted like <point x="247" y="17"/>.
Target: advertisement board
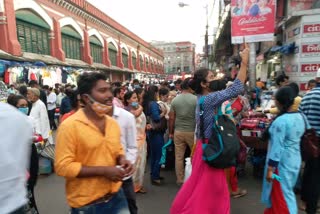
<point x="253" y="21"/>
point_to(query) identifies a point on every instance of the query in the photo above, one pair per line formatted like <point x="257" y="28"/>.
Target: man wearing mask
<point x="136" y="84"/>
<point x="310" y="192"/>
<point x="39" y="113"/>
<point x="127" y="124"/>
<point x="89" y="153"/>
<point x="16" y="137"/>
<point x="43" y="95"/>
<point x="51" y="101"/>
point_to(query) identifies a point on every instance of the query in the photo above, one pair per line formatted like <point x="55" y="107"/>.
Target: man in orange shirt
<point x="89" y="153"/>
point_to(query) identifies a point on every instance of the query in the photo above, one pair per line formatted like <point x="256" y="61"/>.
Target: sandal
<point x="239" y="193"/>
<point x="142" y="191"/>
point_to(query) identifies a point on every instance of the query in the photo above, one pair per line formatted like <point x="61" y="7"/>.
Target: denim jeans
<point x="156" y="144"/>
<point x="117" y="205"/>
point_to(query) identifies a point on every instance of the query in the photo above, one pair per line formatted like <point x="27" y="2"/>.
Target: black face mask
<point x="214" y="85"/>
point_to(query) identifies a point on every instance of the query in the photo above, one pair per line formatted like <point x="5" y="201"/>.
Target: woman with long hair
<point x="131" y="104"/>
<point x="156" y="141"/>
<point x="283" y="157"/>
<point x="21" y="103"/>
<point x="206" y="190"/>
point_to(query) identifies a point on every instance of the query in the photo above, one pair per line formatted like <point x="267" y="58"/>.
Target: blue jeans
<point x="156" y="144"/>
<point x="117" y="205"/>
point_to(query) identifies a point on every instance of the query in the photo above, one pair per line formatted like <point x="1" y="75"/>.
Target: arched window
<point x="134" y="60"/>
<point x="152" y="68"/>
<point x="71" y="42"/>
<point x="125" y="57"/>
<point x="96" y="49"/>
<point x="32" y="32"/>
<point x="141" y="62"/>
<point x="147" y="64"/>
<point x="112" y="53"/>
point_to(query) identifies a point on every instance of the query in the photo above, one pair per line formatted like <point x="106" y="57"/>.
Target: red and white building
<point x="74" y="33"/>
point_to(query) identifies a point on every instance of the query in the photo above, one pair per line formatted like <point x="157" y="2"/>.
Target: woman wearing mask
<point x="131" y="104"/>
<point x="154" y="116"/>
<point x="283" y="157"/>
<point x="206" y="190"/>
<point x="21" y="104"/>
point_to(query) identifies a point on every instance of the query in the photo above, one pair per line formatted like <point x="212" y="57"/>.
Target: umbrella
<point x="5" y="62"/>
<point x="27" y="64"/>
<point x="39" y="64"/>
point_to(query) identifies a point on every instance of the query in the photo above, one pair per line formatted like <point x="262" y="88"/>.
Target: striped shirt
<point x="310" y="106"/>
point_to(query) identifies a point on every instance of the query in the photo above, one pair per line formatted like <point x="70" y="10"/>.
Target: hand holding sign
<point x="245" y="54"/>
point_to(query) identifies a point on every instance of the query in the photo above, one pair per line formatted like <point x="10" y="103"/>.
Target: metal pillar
<point x="252" y="65"/>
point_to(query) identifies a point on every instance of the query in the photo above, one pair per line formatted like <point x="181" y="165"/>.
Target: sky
<point x="162" y="20"/>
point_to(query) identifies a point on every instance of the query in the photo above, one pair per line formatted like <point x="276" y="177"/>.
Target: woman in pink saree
<point x="206" y="190"/>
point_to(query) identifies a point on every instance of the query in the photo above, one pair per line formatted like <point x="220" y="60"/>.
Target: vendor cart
<point x="251" y="130"/>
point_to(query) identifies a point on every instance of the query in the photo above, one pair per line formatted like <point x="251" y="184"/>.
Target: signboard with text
<point x="311" y="30"/>
<point x="310" y="49"/>
<point x="310" y="67"/>
<point x="252" y="21"/>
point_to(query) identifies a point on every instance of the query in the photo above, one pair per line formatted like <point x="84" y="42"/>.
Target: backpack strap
<point x="201" y="102"/>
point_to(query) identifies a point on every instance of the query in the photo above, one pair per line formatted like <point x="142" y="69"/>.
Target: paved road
<point x="51" y="198"/>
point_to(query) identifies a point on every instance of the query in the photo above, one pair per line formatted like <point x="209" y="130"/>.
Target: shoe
<point x="161" y="178"/>
<point x="156" y="182"/>
<point x="142" y="191"/>
<point x="302" y="206"/>
<point x="239" y="193"/>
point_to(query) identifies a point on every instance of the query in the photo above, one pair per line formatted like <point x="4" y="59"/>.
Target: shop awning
<point x="284" y="49"/>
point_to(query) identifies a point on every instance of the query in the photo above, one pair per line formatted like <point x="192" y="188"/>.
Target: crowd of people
<point x="106" y="132"/>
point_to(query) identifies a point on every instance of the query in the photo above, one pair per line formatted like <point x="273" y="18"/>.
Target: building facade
<point x="179" y="57"/>
<point x="74" y="33"/>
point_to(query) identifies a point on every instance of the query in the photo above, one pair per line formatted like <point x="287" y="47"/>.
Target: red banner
<point x="311" y="49"/>
<point x="310" y="67"/>
<point x="252" y="20"/>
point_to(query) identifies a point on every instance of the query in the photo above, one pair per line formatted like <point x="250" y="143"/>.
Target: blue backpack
<point x="222" y="147"/>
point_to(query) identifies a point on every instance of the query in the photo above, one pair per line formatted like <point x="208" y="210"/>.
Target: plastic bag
<point x="188" y="169"/>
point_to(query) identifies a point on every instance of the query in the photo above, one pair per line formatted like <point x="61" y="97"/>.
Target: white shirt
<point x="40" y="115"/>
<point x="59" y="98"/>
<point x="16" y="135"/>
<point x="127" y="124"/>
<point x="51" y="101"/>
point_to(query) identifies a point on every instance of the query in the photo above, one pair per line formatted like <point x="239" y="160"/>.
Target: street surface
<point x="51" y="198"/>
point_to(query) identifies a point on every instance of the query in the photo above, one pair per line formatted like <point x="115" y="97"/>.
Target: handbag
<point x="160" y="126"/>
<point x="309" y="142"/>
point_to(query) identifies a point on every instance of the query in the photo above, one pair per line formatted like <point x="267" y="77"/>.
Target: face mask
<point x="99" y="108"/>
<point x="136" y="86"/>
<point x="24" y="110"/>
<point x="135" y="104"/>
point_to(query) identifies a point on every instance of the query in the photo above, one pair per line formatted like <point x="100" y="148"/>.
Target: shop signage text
<point x="310" y="67"/>
<point x="311" y="29"/>
<point x="310" y="49"/>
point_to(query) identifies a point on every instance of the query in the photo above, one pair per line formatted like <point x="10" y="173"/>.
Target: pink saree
<point x="206" y="190"/>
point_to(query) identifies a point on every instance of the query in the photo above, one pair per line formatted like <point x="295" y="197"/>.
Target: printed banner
<point x="310" y="49"/>
<point x="310" y="67"/>
<point x="311" y="30"/>
<point x="252" y="20"/>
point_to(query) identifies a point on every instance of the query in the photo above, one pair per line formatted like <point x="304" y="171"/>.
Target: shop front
<point x="302" y="66"/>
